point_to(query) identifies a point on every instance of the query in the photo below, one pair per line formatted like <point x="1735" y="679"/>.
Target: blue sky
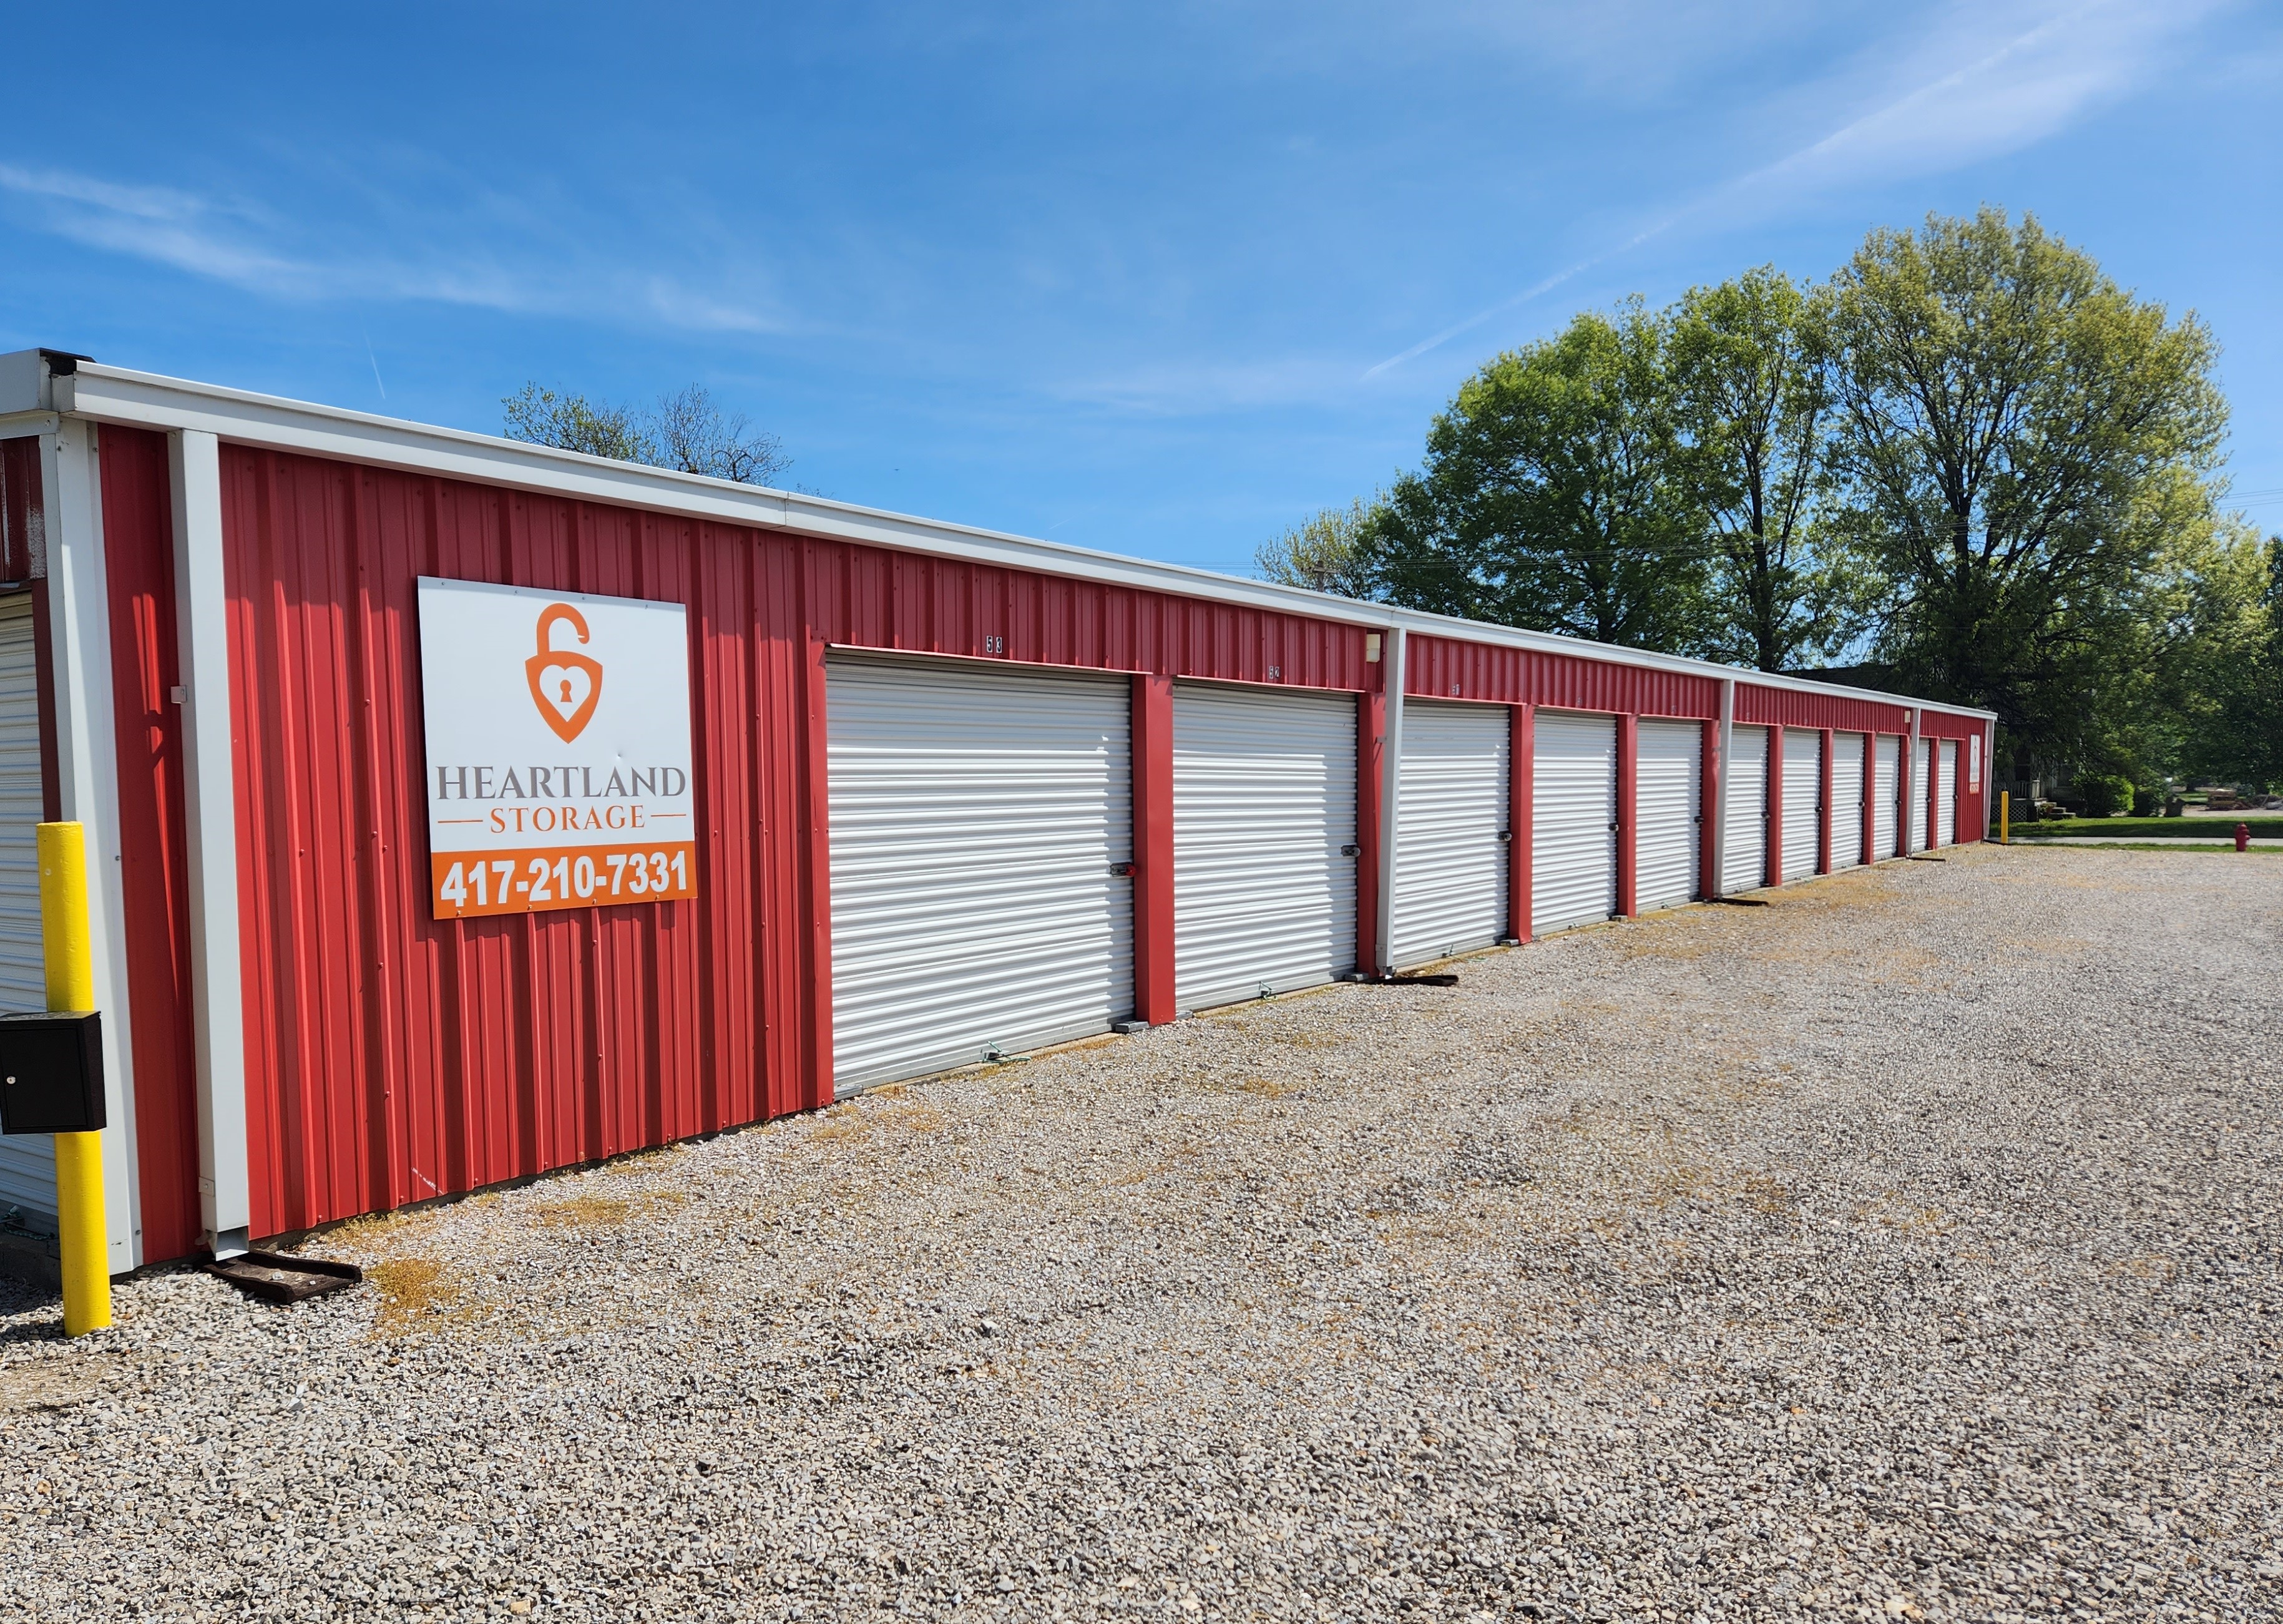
<point x="1158" y="279"/>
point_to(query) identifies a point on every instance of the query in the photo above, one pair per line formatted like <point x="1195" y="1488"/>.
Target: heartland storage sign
<point x="558" y="749"/>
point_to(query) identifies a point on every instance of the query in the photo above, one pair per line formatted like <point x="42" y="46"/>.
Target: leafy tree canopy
<point x="1552" y="496"/>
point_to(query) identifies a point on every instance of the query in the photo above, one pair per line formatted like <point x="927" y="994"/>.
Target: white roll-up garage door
<point x="27" y="1162"/>
<point x="1263" y="832"/>
<point x="1451" y="830"/>
<point x="1846" y="800"/>
<point x="1744" y="808"/>
<point x="1802" y="802"/>
<point x="1573" y="840"/>
<point x="1886" y="788"/>
<point x="1668" y="791"/>
<point x="1921" y="773"/>
<point x="1945" y="795"/>
<point x="977" y="814"/>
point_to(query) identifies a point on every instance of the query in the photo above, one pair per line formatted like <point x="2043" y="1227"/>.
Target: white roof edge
<point x="147" y="400"/>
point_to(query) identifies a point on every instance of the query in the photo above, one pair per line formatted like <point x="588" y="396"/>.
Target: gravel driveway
<point x="1907" y="1248"/>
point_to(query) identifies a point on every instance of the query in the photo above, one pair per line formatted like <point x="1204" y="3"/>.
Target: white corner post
<point x="87" y="768"/>
<point x="1390" y="790"/>
<point x="1720" y="809"/>
<point x="210" y="834"/>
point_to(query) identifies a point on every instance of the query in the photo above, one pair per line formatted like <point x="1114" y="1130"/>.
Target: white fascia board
<point x="114" y="395"/>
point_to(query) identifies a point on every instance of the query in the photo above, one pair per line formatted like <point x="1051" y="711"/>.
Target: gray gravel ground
<point x="1905" y="1248"/>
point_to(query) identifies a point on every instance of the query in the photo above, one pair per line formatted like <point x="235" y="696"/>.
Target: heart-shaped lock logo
<point x="564" y="683"/>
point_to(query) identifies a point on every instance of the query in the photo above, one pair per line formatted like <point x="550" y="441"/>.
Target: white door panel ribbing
<point x="1921" y="775"/>
<point x="975" y="816"/>
<point x="1451" y="860"/>
<point x="1802" y="802"/>
<point x="1886" y="785"/>
<point x="28" y="1162"/>
<point x="1846" y="800"/>
<point x="1668" y="790"/>
<point x="1573" y="843"/>
<point x="1744" y="863"/>
<point x="1264" y="802"/>
<point x="1945" y="795"/>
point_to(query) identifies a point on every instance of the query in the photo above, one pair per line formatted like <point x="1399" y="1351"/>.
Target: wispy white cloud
<point x="248" y="247"/>
<point x="1176" y="389"/>
<point x="1992" y="80"/>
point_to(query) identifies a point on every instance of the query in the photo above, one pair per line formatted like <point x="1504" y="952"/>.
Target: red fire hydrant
<point x="2243" y="837"/>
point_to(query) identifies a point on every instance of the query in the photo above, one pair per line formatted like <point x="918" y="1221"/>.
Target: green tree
<point x="2021" y="438"/>
<point x="1552" y="496"/>
<point x="573" y="422"/>
<point x="1327" y="553"/>
<point x="685" y="431"/>
<point x="1752" y="397"/>
<point x="2231" y="701"/>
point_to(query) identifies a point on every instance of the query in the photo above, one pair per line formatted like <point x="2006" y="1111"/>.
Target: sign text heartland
<point x="576" y="782"/>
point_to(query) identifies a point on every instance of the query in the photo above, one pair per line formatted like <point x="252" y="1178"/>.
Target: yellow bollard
<point x="78" y="1157"/>
<point x="2005" y="817"/>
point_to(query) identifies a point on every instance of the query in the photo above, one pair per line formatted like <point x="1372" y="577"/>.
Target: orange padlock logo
<point x="565" y="685"/>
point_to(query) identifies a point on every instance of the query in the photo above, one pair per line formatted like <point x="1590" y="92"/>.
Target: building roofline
<point x="148" y="399"/>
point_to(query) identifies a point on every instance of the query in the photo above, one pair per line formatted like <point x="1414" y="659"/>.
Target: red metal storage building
<point x="1187" y="783"/>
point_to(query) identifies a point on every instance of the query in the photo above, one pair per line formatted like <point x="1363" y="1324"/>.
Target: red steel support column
<point x="1710" y="769"/>
<point x="1521" y="748"/>
<point x="1772" y="833"/>
<point x="1371" y="749"/>
<point x="1823" y="811"/>
<point x="1628" y="799"/>
<point x="1871" y="853"/>
<point x="816" y="892"/>
<point x="1153" y="848"/>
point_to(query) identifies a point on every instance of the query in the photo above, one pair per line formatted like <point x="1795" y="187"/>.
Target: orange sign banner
<point x="468" y="885"/>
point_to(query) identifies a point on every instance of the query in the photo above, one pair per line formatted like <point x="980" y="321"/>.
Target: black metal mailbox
<point x="51" y="1074"/>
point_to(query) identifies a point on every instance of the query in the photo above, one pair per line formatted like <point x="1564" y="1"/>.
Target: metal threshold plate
<point x="274" y="1277"/>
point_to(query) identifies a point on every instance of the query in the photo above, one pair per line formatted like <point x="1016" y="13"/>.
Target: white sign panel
<point x="558" y="749"/>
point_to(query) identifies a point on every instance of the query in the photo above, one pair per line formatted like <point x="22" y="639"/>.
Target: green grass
<point x="2264" y="826"/>
<point x="2173" y="846"/>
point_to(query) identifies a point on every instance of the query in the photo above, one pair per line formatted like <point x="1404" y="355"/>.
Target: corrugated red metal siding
<point x="138" y="553"/>
<point x="391" y="1057"/>
<point x="870" y="597"/>
<point x="1792" y="707"/>
<point x="1447" y="669"/>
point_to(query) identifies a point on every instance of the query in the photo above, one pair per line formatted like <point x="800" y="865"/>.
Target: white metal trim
<point x="210" y="831"/>
<point x="1391" y="793"/>
<point x="87" y="763"/>
<point x="146" y="399"/>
